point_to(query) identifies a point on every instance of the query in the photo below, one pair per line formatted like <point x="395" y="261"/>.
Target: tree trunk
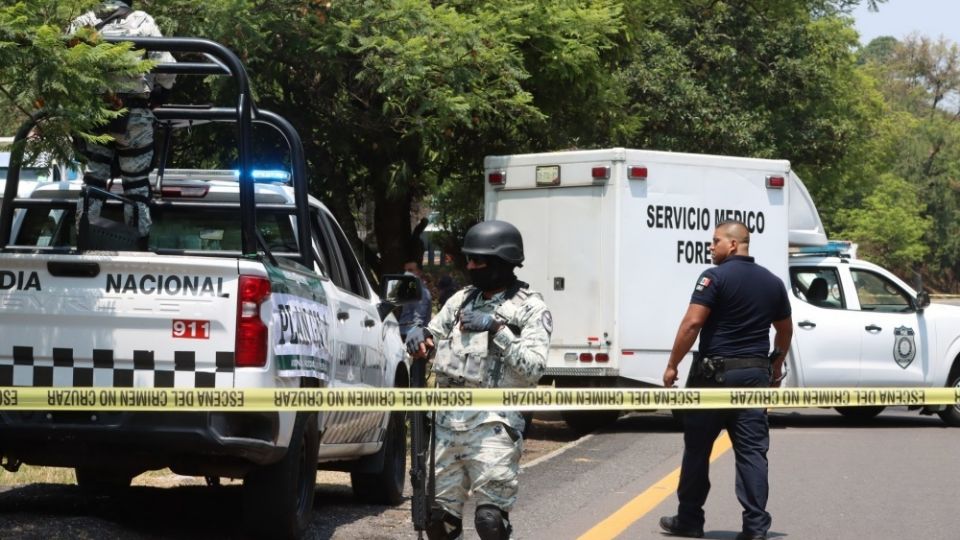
<point x="391" y="222"/>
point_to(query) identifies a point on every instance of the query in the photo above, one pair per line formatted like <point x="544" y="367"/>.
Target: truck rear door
<point x="566" y="239"/>
<point x="124" y="321"/>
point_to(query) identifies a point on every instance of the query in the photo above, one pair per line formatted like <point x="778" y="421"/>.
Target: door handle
<point x="807" y="324"/>
<point x="369" y="323"/>
<point x="872" y="328"/>
<point x="343" y="315"/>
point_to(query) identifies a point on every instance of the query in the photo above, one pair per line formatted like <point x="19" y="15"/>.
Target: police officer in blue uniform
<point x="732" y="308"/>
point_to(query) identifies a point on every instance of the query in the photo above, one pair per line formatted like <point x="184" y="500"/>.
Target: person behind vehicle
<point x="494" y="333"/>
<point x="133" y="144"/>
<point x="446" y="287"/>
<point x="732" y="308"/>
<point x="418" y="313"/>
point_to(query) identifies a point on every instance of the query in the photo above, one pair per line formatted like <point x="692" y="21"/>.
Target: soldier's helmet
<point x="495" y="238"/>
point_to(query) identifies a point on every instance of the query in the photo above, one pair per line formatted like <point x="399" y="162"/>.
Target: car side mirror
<point x="922" y="300"/>
<point x="400" y="288"/>
<point x="396" y="290"/>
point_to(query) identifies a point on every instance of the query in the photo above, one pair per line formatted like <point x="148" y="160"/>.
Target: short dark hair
<point x="418" y="262"/>
<point x="743" y="238"/>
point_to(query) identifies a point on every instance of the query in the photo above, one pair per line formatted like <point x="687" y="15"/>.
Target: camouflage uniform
<point x="479" y="451"/>
<point x="134" y="146"/>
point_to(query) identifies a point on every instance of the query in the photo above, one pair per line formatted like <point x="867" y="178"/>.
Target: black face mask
<point x="497" y="274"/>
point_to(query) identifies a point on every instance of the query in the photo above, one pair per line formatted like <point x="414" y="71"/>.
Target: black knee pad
<point x="492" y="523"/>
<point x="444" y="526"/>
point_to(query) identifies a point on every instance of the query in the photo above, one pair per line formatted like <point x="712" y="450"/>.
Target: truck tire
<point x="860" y="413"/>
<point x="278" y="498"/>
<point x="583" y="422"/>
<point x="386" y="486"/>
<point x="951" y="415"/>
<point x="99" y="480"/>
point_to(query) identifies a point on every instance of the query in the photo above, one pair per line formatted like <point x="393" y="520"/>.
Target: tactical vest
<point x="470" y="359"/>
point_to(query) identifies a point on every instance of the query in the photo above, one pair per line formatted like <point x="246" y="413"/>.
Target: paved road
<point x="894" y="477"/>
<point x="891" y="478"/>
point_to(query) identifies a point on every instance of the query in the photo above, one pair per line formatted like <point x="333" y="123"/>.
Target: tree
<point x="41" y="70"/>
<point x="920" y="80"/>
<point x="394" y="98"/>
<point x="887" y="225"/>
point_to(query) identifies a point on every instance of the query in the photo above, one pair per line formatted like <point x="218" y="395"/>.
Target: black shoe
<point x="751" y="536"/>
<point x="671" y="524"/>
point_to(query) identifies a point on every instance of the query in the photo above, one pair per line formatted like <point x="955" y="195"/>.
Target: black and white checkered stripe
<point x="22" y="369"/>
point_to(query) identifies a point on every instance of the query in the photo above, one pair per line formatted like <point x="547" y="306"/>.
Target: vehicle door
<point x="826" y="330"/>
<point x="894" y="335"/>
<point x="358" y="361"/>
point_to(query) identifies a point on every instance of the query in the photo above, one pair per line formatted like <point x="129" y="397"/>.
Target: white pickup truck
<point x="246" y="282"/>
<point x="616" y="238"/>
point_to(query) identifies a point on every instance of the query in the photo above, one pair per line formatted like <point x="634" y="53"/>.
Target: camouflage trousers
<point x="483" y="461"/>
<point x="134" y="151"/>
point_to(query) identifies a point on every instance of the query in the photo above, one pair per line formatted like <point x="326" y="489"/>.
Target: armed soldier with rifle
<point x="494" y="333"/>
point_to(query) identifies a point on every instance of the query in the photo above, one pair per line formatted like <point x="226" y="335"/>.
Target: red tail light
<point x="497" y="178"/>
<point x="600" y="173"/>
<point x="251" y="346"/>
<point x="586" y="357"/>
<point x="776" y="182"/>
<point x="603" y="357"/>
<point x="637" y="173"/>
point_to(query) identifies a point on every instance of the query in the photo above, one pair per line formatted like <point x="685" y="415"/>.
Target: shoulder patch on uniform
<point x="547" y="321"/>
<point x="703" y="283"/>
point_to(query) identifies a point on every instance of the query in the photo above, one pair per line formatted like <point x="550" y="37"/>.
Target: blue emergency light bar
<point x="266" y="175"/>
<point x="833" y="248"/>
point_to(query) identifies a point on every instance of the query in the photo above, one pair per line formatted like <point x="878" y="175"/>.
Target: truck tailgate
<point x="135" y="320"/>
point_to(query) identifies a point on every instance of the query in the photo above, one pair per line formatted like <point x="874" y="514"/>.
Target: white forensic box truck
<point x="616" y="238"/>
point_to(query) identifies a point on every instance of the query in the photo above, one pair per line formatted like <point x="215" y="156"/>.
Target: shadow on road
<point x="62" y="511"/>
<point x="664" y="422"/>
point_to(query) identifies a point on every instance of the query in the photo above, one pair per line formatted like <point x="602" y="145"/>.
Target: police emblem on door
<point x="904" y="347"/>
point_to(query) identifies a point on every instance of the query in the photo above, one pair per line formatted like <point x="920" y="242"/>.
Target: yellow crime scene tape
<point x="435" y="399"/>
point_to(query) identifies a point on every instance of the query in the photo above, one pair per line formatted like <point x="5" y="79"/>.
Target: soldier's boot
<point x="141" y="217"/>
<point x="444" y="526"/>
<point x="492" y="523"/>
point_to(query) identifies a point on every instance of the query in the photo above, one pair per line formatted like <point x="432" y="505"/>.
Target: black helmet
<point x="495" y="238"/>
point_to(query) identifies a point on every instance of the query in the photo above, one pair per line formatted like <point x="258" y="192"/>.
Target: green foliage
<point x="40" y="69"/>
<point x="920" y="81"/>
<point x="889" y="225"/>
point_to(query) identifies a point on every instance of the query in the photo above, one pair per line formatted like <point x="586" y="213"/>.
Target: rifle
<point x="420" y="469"/>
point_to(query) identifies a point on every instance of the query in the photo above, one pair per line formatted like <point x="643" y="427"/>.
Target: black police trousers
<point x="749" y="431"/>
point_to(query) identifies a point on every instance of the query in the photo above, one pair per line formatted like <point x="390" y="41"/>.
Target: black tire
<point x="102" y="480"/>
<point x="278" y="498"/>
<point x="386" y="486"/>
<point x="583" y="422"/>
<point x="860" y="413"/>
<point x="951" y="415"/>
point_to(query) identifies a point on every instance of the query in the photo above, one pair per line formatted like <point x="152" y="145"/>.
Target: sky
<point x="899" y="18"/>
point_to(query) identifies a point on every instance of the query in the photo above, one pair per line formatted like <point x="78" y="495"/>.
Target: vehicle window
<point x="877" y="293"/>
<point x="330" y="251"/>
<point x="818" y="286"/>
<point x="173" y="228"/>
<point x="321" y="249"/>
<point x="353" y="280"/>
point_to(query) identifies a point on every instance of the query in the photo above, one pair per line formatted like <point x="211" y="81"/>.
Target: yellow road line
<point x="620" y="520"/>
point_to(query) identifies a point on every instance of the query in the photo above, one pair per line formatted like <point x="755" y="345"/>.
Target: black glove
<point x="475" y="321"/>
<point x="415" y="337"/>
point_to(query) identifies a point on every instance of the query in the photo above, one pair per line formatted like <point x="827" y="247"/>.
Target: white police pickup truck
<point x="857" y="324"/>
<point x="616" y="238"/>
<point x="246" y="282"/>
